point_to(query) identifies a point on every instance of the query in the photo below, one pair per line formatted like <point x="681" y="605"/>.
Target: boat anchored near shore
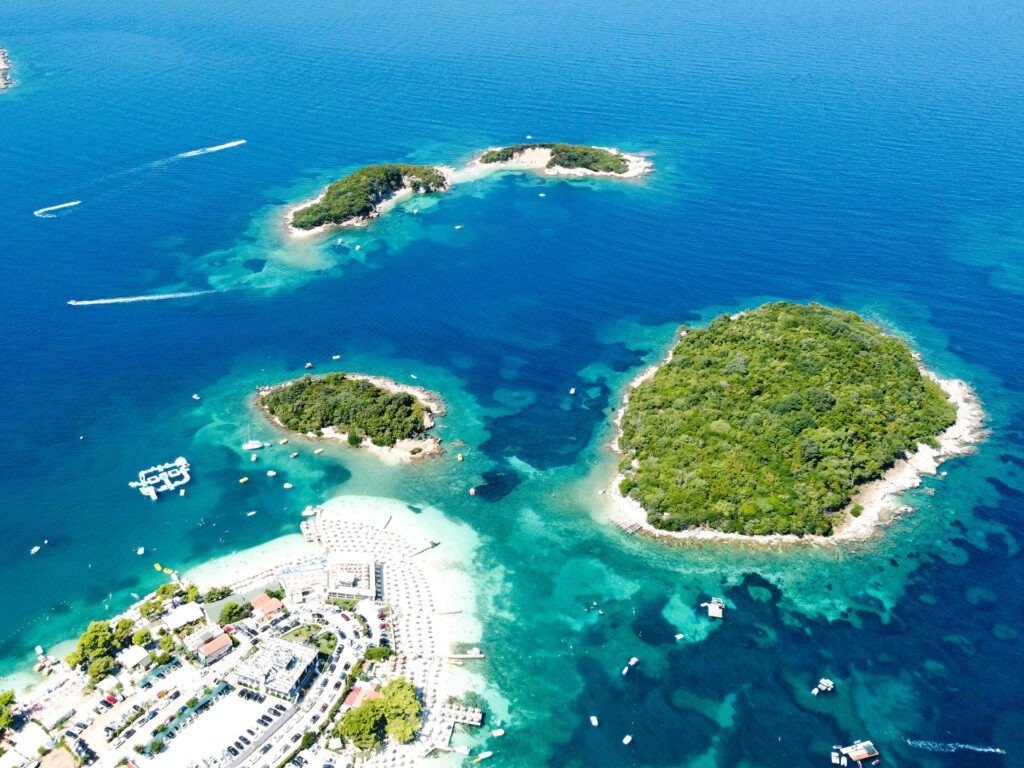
<point x="162" y="477"/>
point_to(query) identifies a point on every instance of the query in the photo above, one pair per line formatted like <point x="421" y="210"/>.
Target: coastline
<point x="878" y="498"/>
<point x="5" y="71"/>
<point x="405" y="193"/>
<point x="534" y="160"/>
<point x="403" y="451"/>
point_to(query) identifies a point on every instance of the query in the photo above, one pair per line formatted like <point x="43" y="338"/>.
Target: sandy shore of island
<point x="405" y="450"/>
<point x="878" y="499"/>
<point x="536" y="159"/>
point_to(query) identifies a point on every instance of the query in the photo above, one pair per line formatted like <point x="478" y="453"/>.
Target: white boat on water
<point x="140" y="551"/>
<point x="34" y="549"/>
<point x="498" y="732"/>
<point x="250" y="444"/>
<point x="483" y="756"/>
<point x="627" y="738"/>
<point x="625" y="670"/>
<point x="162" y="477"/>
<point x="633" y="661"/>
<point x="593" y="721"/>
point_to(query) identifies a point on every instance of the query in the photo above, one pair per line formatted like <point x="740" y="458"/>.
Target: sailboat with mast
<point x="250" y="444"/>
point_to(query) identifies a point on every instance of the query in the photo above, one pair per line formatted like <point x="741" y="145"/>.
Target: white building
<point x="278" y="667"/>
<point x="184" y="615"/>
<point x="338" y="574"/>
<point x="133" y="656"/>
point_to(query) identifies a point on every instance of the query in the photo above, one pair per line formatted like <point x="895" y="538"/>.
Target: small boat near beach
<point x="308" y="366"/>
<point x="34" y="549"/>
<point x="458" y="226"/>
<point x="271" y="473"/>
<point x="335" y="357"/>
<point x="287" y="486"/>
<point x="633" y="661"/>
<point x="140" y="551"/>
<point x="483" y="756"/>
<point x="572" y="391"/>
<point x="283" y="441"/>
<point x="498" y="733"/>
<point x="293" y="455"/>
<point x="243" y="480"/>
<point x="627" y="738"/>
<point x="625" y="670"/>
<point x="250" y="513"/>
<point x="593" y="721"/>
<point x="195" y="396"/>
<point x="318" y="451"/>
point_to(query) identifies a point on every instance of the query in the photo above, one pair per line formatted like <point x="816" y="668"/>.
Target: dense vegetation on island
<point x="353" y="406"/>
<point x="767" y="422"/>
<point x="358" y="194"/>
<point x="397" y="714"/>
<point x="565" y="156"/>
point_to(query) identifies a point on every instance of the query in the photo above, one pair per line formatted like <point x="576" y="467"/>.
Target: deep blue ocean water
<point x="869" y="156"/>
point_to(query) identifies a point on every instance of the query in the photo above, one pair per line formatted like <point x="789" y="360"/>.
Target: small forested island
<point x="388" y="418"/>
<point x="356" y="198"/>
<point x="770" y="421"/>
<point x="367" y="193"/>
<point x="593" y="159"/>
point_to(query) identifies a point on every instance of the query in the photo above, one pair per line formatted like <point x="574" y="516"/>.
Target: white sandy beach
<point x="879" y="499"/>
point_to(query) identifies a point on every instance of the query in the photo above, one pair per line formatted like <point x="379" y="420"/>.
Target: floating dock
<point x="162" y="477"/>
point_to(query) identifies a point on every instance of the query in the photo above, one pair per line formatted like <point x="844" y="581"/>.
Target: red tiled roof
<point x="211" y="647"/>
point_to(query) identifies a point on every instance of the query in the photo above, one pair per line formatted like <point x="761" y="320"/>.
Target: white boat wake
<point x="134" y="174"/>
<point x="44" y="213"/>
<point x="208" y="150"/>
<point x="136" y="299"/>
<point x="938" y="746"/>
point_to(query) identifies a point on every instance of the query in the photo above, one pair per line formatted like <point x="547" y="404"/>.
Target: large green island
<point x="390" y="419"/>
<point x="356" y="198"/>
<point x="770" y="421"/>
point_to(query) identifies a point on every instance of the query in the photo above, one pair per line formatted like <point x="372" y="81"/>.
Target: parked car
<point x="233" y="751"/>
<point x="244" y="740"/>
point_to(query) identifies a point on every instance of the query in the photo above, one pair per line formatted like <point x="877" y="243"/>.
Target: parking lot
<point x="208" y="737"/>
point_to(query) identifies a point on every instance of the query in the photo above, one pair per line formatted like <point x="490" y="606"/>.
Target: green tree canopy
<point x="213" y="594"/>
<point x="397" y="714"/>
<point x="232" y="612"/>
<point x="100" y="668"/>
<point x="142" y="637"/>
<point x="354" y="406"/>
<point x="6" y="710"/>
<point x="152" y="609"/>
<point x="358" y="194"/>
<point x="565" y="156"/>
<point x="768" y="421"/>
<point x="122" y="632"/>
<point x="97" y="641"/>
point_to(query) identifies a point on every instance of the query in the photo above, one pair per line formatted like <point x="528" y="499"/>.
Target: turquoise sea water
<point x="867" y="156"/>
